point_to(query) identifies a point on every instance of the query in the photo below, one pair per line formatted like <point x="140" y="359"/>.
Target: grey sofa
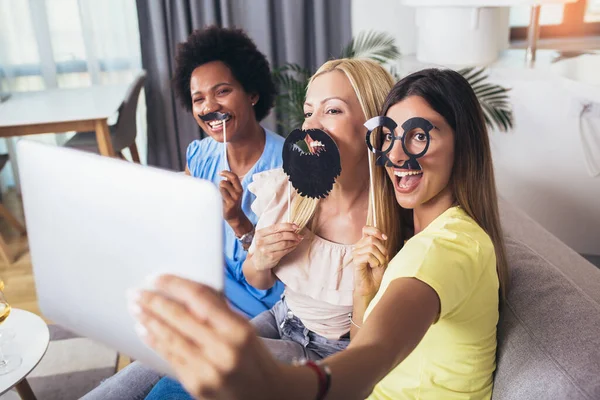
<point x="549" y="329"/>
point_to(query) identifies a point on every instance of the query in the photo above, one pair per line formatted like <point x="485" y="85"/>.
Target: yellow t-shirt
<point x="457" y="356"/>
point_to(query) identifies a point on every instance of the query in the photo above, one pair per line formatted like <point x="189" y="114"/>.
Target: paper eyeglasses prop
<point x="415" y="140"/>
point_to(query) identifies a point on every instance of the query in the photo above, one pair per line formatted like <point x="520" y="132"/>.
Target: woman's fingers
<point x="274" y="238"/>
<point x="273" y="242"/>
<point x="231" y="187"/>
<point x="185" y="333"/>
<point x="268" y="257"/>
<point x="187" y="359"/>
<point x="213" y="350"/>
<point x="190" y="294"/>
<point x="372" y="231"/>
<point x="370" y="244"/>
<point x="375" y="244"/>
<point x="174" y="313"/>
<point x="227" y="188"/>
<point x="370" y="254"/>
<point x="283" y="232"/>
<point x="203" y="302"/>
<point x="232" y="179"/>
<point x="368" y="260"/>
<point x="227" y="199"/>
<point x="280" y="227"/>
<point x="165" y="338"/>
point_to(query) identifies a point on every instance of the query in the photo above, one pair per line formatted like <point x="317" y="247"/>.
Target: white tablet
<point x="98" y="226"/>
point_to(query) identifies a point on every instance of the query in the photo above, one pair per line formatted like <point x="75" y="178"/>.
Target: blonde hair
<point x="371" y="83"/>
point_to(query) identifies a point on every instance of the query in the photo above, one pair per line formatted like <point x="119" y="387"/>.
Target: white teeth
<point x="405" y="173"/>
<point x="216" y="124"/>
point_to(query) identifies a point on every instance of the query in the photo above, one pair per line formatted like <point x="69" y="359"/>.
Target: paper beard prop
<point x="215" y="115"/>
<point x="415" y="140"/>
<point x="311" y="159"/>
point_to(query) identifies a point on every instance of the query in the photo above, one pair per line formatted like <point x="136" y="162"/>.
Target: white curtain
<point x="48" y="44"/>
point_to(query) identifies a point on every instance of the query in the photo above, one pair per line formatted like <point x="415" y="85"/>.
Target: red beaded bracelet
<point x="324" y="375"/>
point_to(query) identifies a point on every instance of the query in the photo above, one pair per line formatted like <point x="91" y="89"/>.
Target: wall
<point x="388" y="16"/>
<point x="539" y="165"/>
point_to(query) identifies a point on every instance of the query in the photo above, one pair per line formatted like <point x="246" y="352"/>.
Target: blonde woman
<point x="312" y="254"/>
<point x="341" y="96"/>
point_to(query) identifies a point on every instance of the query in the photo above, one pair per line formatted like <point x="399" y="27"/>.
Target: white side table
<point x="30" y="342"/>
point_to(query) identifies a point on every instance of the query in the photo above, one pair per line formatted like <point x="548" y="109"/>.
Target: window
<point x="20" y="60"/>
<point x="592" y="12"/>
<point x="46" y="44"/>
<point x="68" y="43"/>
<point x="581" y="18"/>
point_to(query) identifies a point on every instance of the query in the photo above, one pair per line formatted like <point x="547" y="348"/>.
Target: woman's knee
<point x="133" y="382"/>
<point x="265" y="325"/>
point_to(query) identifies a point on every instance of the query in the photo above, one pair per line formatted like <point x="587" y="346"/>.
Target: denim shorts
<point x="279" y="324"/>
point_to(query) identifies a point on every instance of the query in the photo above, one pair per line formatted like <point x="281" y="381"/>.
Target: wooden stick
<point x="289" y="211"/>
<point x="371" y="189"/>
<point x="225" y="140"/>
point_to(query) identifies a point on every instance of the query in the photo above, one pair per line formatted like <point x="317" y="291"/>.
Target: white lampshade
<point x="464" y="32"/>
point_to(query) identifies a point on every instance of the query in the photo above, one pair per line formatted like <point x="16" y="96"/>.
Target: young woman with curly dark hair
<point x="220" y="70"/>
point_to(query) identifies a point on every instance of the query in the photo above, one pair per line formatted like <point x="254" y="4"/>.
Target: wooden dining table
<point x="62" y="110"/>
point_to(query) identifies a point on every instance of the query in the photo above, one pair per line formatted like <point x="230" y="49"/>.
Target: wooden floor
<point x="18" y="277"/>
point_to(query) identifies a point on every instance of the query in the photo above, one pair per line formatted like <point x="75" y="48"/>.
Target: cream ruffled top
<point x="318" y="275"/>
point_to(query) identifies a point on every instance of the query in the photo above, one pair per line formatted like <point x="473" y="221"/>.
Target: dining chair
<point x="123" y="132"/>
<point x="5" y="252"/>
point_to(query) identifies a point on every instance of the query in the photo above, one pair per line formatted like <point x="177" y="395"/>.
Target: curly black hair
<point x="238" y="52"/>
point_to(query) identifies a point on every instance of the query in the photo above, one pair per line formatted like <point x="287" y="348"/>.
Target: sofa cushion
<point x="549" y="329"/>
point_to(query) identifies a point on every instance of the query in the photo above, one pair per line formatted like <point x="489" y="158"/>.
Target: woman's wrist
<point x="261" y="279"/>
<point x="240" y="224"/>
<point x="297" y="383"/>
<point x="361" y="302"/>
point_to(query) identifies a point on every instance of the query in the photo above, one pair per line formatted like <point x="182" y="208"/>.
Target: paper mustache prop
<point x="217" y="116"/>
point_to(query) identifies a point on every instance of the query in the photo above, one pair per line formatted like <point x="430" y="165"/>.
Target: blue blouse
<point x="205" y="160"/>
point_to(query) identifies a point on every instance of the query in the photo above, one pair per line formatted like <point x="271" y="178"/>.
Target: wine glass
<point x="8" y="362"/>
<point x="6" y="334"/>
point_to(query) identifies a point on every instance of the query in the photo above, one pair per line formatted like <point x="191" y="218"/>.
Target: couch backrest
<point x="549" y="330"/>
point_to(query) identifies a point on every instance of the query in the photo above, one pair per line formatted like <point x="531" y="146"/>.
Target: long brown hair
<point x="472" y="181"/>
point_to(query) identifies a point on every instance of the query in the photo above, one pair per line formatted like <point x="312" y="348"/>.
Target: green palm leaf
<point x="378" y="46"/>
<point x="494" y="99"/>
<point x="291" y="81"/>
